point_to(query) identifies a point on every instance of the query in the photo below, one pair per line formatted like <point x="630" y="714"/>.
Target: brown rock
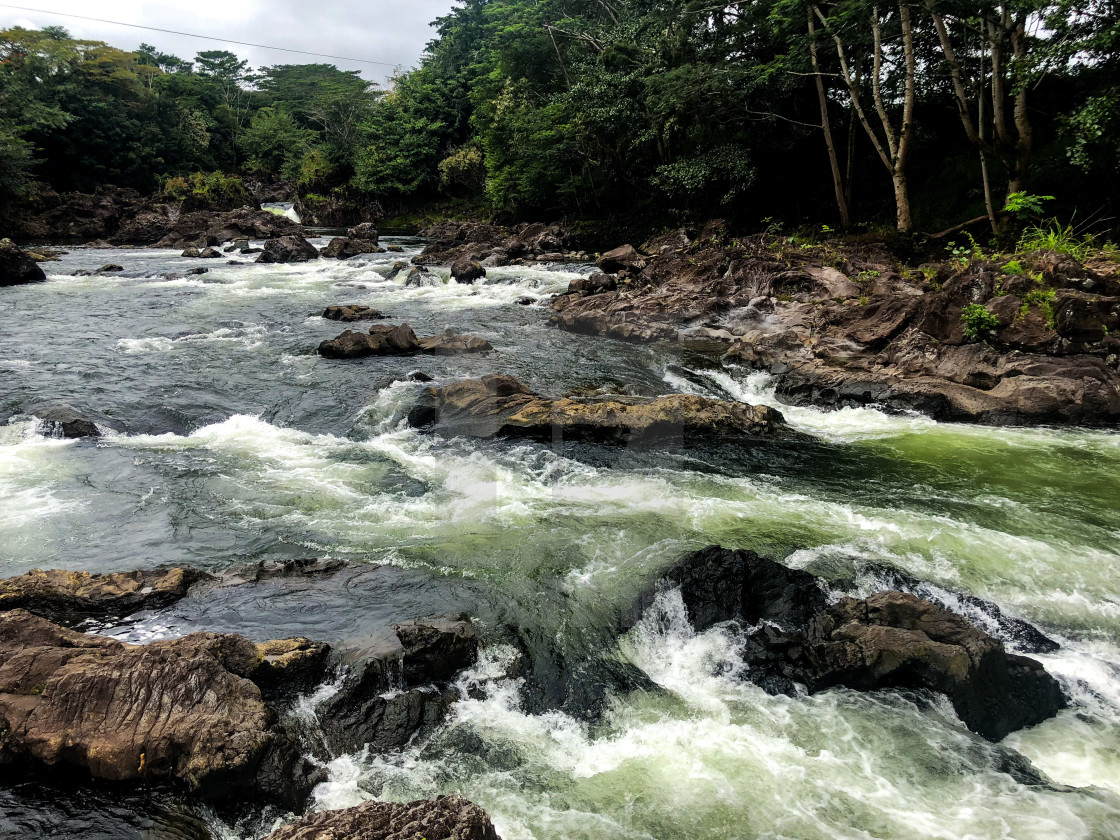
<point x="450" y="343"/>
<point x="182" y="710"/>
<point x="352" y="312"/>
<point x="68" y="597"/>
<point x="380" y="341"/>
<point x="500" y="406"/>
<point x="622" y="258"/>
<point x="443" y="818"/>
<point x="288" y="249"/>
<point x="465" y="270"/>
<point x="16" y="267"/>
<point x="343" y="248"/>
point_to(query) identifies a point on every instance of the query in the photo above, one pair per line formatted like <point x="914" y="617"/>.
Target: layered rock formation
<point x="69" y="597"/>
<point x="461" y="243"/>
<point x="846" y="324"/>
<point x="500" y="406"/>
<point x="443" y="818"/>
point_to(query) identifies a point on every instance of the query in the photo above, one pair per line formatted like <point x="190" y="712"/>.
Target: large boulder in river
<point x="288" y="249"/>
<point x="352" y="312"/>
<point x="466" y="270"/>
<point x="442" y="818"/>
<point x="398" y="686"/>
<point x="500" y="406"/>
<point x="890" y="639"/>
<point x="365" y="232"/>
<point x="384" y="340"/>
<point x="379" y="341"/>
<point x="185" y="710"/>
<point x="68" y="597"/>
<point x="343" y="248"/>
<point x="16" y="267"/>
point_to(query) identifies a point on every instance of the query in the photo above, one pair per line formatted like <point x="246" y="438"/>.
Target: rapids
<point x="227" y="440"/>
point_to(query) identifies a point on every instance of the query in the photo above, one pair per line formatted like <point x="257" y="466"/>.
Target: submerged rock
<point x="888" y="640"/>
<point x="352" y="312"/>
<point x="288" y="249"/>
<point x="450" y="343"/>
<point x="442" y="818"/>
<point x="185" y="710"/>
<point x="68" y="597"/>
<point x="16" y="267"/>
<point x="500" y="406"/>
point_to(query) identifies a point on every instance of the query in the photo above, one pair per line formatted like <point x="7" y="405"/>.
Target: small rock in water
<point x="109" y="268"/>
<point x="196" y="271"/>
<point x="417" y="376"/>
<point x="209" y="253"/>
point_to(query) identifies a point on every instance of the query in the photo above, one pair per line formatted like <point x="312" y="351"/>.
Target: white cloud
<point x="391" y="31"/>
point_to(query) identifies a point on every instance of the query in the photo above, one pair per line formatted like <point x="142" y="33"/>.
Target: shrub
<point x="977" y="319"/>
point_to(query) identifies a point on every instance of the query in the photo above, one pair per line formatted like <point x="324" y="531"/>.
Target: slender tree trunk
<point x="826" y="129"/>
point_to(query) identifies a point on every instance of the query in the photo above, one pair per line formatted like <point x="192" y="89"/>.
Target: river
<point x="227" y="441"/>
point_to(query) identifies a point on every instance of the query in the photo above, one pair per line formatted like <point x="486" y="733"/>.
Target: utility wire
<point x="192" y="35"/>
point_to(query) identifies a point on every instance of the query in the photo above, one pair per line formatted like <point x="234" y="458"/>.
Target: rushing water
<point x="228" y="441"/>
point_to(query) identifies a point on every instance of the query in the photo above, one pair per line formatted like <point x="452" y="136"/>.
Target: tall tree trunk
<point x="826" y="129"/>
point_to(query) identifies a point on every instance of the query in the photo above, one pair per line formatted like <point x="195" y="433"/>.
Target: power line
<point x="192" y="35"/>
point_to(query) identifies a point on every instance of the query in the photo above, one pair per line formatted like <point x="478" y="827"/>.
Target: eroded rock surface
<point x="288" y="249"/>
<point x="343" y="247"/>
<point x="463" y="243"/>
<point x="352" y="312"/>
<point x="500" y="406"/>
<point x="68" y="597"/>
<point x="890" y="639"/>
<point x="443" y="818"/>
<point x="842" y="324"/>
<point x="185" y="710"/>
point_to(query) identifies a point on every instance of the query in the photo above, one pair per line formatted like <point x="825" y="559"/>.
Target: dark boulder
<point x="466" y="270"/>
<point x="16" y="267"/>
<point x="398" y="686"/>
<point x="420" y="276"/>
<point x="442" y="818"/>
<point x="889" y="640"/>
<point x="64" y="423"/>
<point x="195" y="272"/>
<point x="209" y="253"/>
<point x="343" y="248"/>
<point x="593" y="285"/>
<point x="69" y="597"/>
<point x="352" y="312"/>
<point x="624" y="258"/>
<point x="288" y="249"/>
<point x="110" y="268"/>
<point x="366" y="232"/>
<point x="379" y="341"/>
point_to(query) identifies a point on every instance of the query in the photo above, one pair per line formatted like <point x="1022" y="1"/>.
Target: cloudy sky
<point x="389" y="31"/>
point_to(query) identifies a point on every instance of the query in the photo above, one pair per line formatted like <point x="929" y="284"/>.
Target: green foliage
<point x="964" y="254"/>
<point x="1024" y="204"/>
<point x="464" y="170"/>
<point x="977" y="319"/>
<point x="1061" y="239"/>
<point x="213" y="187"/>
<point x="1042" y="298"/>
<point x="1013" y="267"/>
<point x="274" y="144"/>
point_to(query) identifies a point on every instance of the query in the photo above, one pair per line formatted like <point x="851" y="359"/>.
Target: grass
<point x="1060" y="239"/>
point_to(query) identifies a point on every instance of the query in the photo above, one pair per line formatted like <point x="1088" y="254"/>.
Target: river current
<point x="227" y="441"/>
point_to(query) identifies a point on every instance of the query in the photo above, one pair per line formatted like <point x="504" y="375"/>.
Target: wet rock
<point x="190" y="252"/>
<point x="420" y="276"/>
<point x="417" y="376"/>
<point x="525" y="300"/>
<point x="63" y="423"/>
<point x="398" y="686"/>
<point x="500" y="406"/>
<point x="891" y="639"/>
<point x="183" y="710"/>
<point x="288" y="249"/>
<point x="379" y="341"/>
<point x="365" y="232"/>
<point x="398" y="267"/>
<point x="352" y="312"/>
<point x="489" y="245"/>
<point x="443" y="818"/>
<point x="623" y="258"/>
<point x="450" y="343"/>
<point x="394" y="249"/>
<point x="209" y="254"/>
<point x="593" y="285"/>
<point x="211" y="228"/>
<point x="465" y="270"/>
<point x="343" y="248"/>
<point x="109" y="268"/>
<point x="16" y="267"/>
<point x="69" y="597"/>
<point x="195" y="272"/>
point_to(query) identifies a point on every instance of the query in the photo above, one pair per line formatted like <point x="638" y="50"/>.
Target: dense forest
<point x="916" y="114"/>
